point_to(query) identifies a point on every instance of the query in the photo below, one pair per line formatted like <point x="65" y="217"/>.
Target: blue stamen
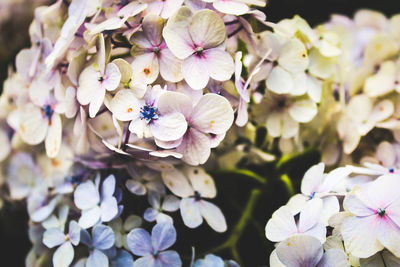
<point x="148" y="113"/>
<point x="155" y="253"/>
<point x="312" y="195"/>
<point x="391" y="170"/>
<point x="48" y="111"/>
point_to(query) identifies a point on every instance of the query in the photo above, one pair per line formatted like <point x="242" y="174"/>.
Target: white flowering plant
<point x="123" y="118"/>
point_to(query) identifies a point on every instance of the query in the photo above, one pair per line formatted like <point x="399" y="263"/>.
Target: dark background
<point x="14" y="243"/>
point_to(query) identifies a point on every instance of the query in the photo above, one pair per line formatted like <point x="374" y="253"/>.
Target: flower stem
<point x="243" y="172"/>
<point x="288" y="183"/>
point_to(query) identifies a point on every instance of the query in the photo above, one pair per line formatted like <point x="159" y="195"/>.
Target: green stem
<point x="288" y="183"/>
<point x="242" y="172"/>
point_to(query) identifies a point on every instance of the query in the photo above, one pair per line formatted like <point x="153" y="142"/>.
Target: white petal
<point x="231" y="7"/>
<point x="293" y="56"/>
<point x="280" y="81"/>
<point x="312" y="179"/>
<point x="356" y="241"/>
<point x="334" y="258"/>
<point x="113" y="77"/>
<point x="195" y="72"/>
<point x="125" y="106"/>
<point x="54" y="136"/>
<point x="309" y="215"/>
<point x="195" y="147"/>
<point x="90" y="217"/>
<point x="212" y="114"/>
<point x="201" y="182"/>
<point x="109" y="209"/>
<point x="177" y="183"/>
<point x="64" y="255"/>
<point x="303" y="111"/>
<point x="169" y="127"/>
<point x="96" y="102"/>
<point x="88" y="85"/>
<point x="190" y="213"/>
<point x="170" y="66"/>
<point x="53" y="237"/>
<point x="213" y="216"/>
<point x="33" y="127"/>
<point x="219" y="64"/>
<point x="281" y="225"/>
<point x="146" y="67"/>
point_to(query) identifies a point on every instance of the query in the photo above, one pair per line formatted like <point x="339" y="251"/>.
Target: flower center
<point x="148" y="113"/>
<point x="155" y="253"/>
<point x="381" y="212"/>
<point x="199" y="50"/>
<point x="312" y="195"/>
<point x="197" y="196"/>
<point x="391" y="170"/>
<point x="100" y="79"/>
<point x="48" y="111"/>
<point x="156" y="50"/>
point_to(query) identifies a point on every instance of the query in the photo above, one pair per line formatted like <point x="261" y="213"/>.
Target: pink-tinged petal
<point x="212" y="114"/>
<point x="231" y="7"/>
<point x="380" y="193"/>
<point x="201" y="182"/>
<point x="242" y="114"/>
<point x="312" y="179"/>
<point x="90" y="217"/>
<point x="356" y="206"/>
<point x="54" y="136"/>
<point x="88" y="85"/>
<point x="152" y="28"/>
<point x="169" y="7"/>
<point x="176" y="33"/>
<point x="195" y="71"/>
<point x="113" y="77"/>
<point x="219" y="63"/>
<point x="140" y="43"/>
<point x="213" y="216"/>
<point x="309" y="215"/>
<point x="190" y="213"/>
<point x="96" y="102"/>
<point x="281" y="225"/>
<point x="177" y="183"/>
<point x="175" y="102"/>
<point x="140" y="128"/>
<point x="389" y="234"/>
<point x="146" y="67"/>
<point x="39" y="91"/>
<point x="356" y="241"/>
<point x="334" y="258"/>
<point x="125" y="106"/>
<point x="207" y="29"/>
<point x="132" y="9"/>
<point x="33" y="126"/>
<point x="393" y="211"/>
<point x="300" y="250"/>
<point x="168" y="144"/>
<point x="170" y="66"/>
<point x="169" y="127"/>
<point x="195" y="147"/>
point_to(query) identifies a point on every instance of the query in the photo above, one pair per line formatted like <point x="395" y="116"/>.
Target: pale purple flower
<point x="101" y="240"/>
<point x="316" y="184"/>
<point x="151" y="116"/>
<point x="163" y="8"/>
<point x="304" y="250"/>
<point x="194" y="186"/>
<point x="96" y="206"/>
<point x="212" y="115"/>
<point x="152" y="55"/>
<point x="169" y="203"/>
<point x="198" y="40"/>
<point x="152" y="248"/>
<point x="375" y="223"/>
<point x="211" y="260"/>
<point x="282" y="225"/>
<point x="94" y="82"/>
<point x="64" y="254"/>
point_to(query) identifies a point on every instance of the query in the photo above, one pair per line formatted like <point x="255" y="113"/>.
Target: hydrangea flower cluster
<point x="119" y="103"/>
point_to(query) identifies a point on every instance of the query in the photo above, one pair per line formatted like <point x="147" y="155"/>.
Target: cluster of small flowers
<point x="131" y="96"/>
<point x="348" y="217"/>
